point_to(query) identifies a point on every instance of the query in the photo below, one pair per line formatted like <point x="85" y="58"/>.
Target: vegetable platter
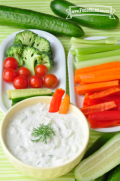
<point x="59" y="65"/>
<point x="78" y="99"/>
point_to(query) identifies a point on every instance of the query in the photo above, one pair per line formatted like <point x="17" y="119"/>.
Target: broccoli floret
<point x="47" y="60"/>
<point x="42" y="44"/>
<point x="31" y="56"/>
<point x="16" y="52"/>
<point x="25" y="37"/>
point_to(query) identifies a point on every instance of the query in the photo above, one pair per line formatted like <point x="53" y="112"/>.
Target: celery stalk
<point x="82" y="45"/>
<point x="94" y="62"/>
<point x="97" y="55"/>
<point x="73" y="52"/>
<point x="94" y="49"/>
<point x="110" y="40"/>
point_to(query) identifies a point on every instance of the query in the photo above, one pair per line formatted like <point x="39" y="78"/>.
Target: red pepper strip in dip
<point x="56" y="100"/>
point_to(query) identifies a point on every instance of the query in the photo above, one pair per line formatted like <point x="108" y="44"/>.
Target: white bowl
<point x="48" y="172"/>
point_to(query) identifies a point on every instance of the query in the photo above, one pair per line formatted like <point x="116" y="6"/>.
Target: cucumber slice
<point x="15" y="100"/>
<point x="114" y="175"/>
<point x="98" y="144"/>
<point x="100" y="162"/>
<point x="25" y="93"/>
<point x="9" y="94"/>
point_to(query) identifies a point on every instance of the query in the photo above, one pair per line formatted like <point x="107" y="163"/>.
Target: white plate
<point x="78" y="99"/>
<point x="59" y="68"/>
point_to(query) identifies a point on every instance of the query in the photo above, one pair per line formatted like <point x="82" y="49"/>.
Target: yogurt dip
<point x="60" y="148"/>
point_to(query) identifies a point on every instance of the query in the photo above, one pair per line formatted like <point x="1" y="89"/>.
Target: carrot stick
<point x="77" y="78"/>
<point x="98" y="76"/>
<point x="82" y="89"/>
<point x="105" y="93"/>
<point x="64" y="105"/>
<point x="98" y="67"/>
<point x="98" y="107"/>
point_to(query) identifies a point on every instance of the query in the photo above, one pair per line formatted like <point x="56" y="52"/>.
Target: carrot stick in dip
<point x="64" y="105"/>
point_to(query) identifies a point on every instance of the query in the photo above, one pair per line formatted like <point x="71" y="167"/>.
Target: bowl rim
<point x="30" y="166"/>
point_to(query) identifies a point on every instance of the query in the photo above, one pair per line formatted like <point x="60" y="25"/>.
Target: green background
<point x="7" y="171"/>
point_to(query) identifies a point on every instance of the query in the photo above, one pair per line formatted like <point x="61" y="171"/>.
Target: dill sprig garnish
<point x="43" y="132"/>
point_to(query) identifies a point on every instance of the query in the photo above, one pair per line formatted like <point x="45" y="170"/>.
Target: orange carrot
<point x="77" y="78"/>
<point x="97" y="67"/>
<point x="98" y="107"/>
<point x="105" y="93"/>
<point x="82" y="89"/>
<point x="64" y="105"/>
<point x="98" y="76"/>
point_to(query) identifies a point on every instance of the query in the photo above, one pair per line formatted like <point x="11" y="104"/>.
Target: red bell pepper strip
<point x="90" y="102"/>
<point x="103" y="124"/>
<point x="90" y="93"/>
<point x="94" y="102"/>
<point x="98" y="107"/>
<point x="87" y="99"/>
<point x="104" y="116"/>
<point x="116" y="108"/>
<point x="111" y="98"/>
<point x="56" y="100"/>
<point x="107" y="92"/>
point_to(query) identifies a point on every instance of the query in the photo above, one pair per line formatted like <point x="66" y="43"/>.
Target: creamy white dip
<point x="61" y="148"/>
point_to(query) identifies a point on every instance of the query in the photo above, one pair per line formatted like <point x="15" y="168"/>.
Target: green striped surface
<point x="7" y="171"/>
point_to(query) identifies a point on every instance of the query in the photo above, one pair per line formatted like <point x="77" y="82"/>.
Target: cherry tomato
<point x="50" y="81"/>
<point x="36" y="81"/>
<point x="24" y="72"/>
<point x="10" y="62"/>
<point x="9" y="75"/>
<point x="41" y="70"/>
<point x="20" y="82"/>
